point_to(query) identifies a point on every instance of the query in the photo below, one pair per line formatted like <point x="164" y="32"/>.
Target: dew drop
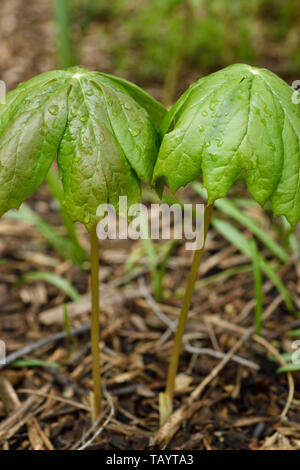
<point x="127" y="106"/>
<point x="53" y="109"/>
<point x="204" y="112"/>
<point x="90" y="150"/>
<point x="83" y="118"/>
<point x="212" y="156"/>
<point x="77" y="158"/>
<point x="201" y="129"/>
<point x="134" y="131"/>
<point x="213" y="105"/>
<point x="85" y="139"/>
<point x="90" y="92"/>
<point x="253" y="163"/>
<point x="102" y="138"/>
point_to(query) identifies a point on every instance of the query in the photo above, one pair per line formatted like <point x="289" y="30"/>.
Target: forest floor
<point x="239" y="407"/>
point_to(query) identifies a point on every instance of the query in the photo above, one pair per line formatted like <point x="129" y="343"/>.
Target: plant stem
<point x="97" y="396"/>
<point x="62" y="16"/>
<point x="166" y="401"/>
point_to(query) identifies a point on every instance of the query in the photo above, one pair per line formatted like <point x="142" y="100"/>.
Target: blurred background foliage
<point x="170" y="43"/>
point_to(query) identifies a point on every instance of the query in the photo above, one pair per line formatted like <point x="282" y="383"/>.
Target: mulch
<point x="239" y="408"/>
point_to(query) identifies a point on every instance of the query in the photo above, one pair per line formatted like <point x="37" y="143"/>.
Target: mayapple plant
<point x="239" y="121"/>
<point x="104" y="131"/>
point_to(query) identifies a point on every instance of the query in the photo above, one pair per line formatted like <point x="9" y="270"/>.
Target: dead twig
<point x="187" y="346"/>
<point x="30" y="348"/>
<point x="20" y="416"/>
<point x="8" y="395"/>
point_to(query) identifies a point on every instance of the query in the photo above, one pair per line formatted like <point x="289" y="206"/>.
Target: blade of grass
<point x="163" y="267"/>
<point x="229" y="208"/>
<point x="58" y="193"/>
<point x="151" y="255"/>
<point x="288" y="368"/>
<point x="257" y="286"/>
<point x="221" y="276"/>
<point x="64" y="246"/>
<point x="70" y="338"/>
<point x="53" y="279"/>
<point x="234" y="236"/>
<point x="294" y="333"/>
<point x="33" y="363"/>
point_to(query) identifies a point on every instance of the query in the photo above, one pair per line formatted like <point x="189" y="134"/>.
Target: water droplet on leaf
<point x="134" y="131"/>
<point x="127" y="106"/>
<point x="53" y="109"/>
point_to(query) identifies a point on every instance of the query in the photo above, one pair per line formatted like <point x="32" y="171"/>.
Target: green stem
<point x="166" y="399"/>
<point x="97" y="396"/>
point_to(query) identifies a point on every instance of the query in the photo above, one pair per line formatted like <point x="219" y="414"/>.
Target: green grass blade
<point x="33" y="363"/>
<point x="257" y="286"/>
<point x="70" y="338"/>
<point x="62" y="245"/>
<point x="54" y="279"/>
<point x="288" y="368"/>
<point x="57" y="191"/>
<point x="151" y="255"/>
<point x="234" y="236"/>
<point x="163" y="267"/>
<point x="229" y="208"/>
<point x="294" y="333"/>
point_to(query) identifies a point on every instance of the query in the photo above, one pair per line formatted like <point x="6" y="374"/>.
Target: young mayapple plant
<point x="104" y="132"/>
<point x="239" y="121"/>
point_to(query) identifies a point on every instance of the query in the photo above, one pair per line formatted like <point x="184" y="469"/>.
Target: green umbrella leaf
<point x="103" y="130"/>
<point x="239" y="120"/>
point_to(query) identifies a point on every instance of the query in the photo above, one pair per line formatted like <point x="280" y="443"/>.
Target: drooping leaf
<point x="240" y="119"/>
<point x="103" y="130"/>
